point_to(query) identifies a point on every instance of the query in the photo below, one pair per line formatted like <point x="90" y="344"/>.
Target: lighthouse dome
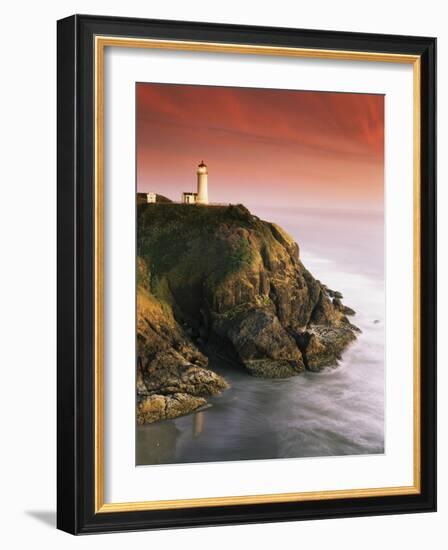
<point x="202" y="168"/>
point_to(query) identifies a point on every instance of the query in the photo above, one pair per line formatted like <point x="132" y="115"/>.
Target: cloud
<point x="332" y="139"/>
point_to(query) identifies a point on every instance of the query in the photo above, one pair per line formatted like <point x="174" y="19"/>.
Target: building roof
<point x="202" y="165"/>
<point x="189" y="193"/>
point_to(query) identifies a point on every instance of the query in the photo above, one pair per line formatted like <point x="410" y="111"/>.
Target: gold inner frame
<point x="101" y="42"/>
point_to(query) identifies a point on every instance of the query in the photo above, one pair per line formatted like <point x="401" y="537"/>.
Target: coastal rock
<point x="333" y="293"/>
<point x="344" y="309"/>
<point x="165" y="407"/>
<point x="172" y="374"/>
<point x="217" y="281"/>
<point x="261" y="343"/>
<point x="323" y="346"/>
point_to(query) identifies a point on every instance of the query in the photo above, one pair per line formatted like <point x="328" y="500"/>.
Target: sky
<point x="262" y="147"/>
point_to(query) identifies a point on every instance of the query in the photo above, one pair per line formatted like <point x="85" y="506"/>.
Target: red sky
<point x="262" y="146"/>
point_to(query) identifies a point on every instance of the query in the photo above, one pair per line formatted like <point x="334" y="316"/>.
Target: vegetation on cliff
<point x="217" y="280"/>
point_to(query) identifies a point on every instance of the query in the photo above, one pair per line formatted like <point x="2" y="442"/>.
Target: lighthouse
<point x="202" y="195"/>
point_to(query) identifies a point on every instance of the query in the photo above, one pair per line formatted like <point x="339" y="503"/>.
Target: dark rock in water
<point x="333" y="293"/>
<point x="325" y="345"/>
<point x="219" y="281"/>
<point x="343" y="309"/>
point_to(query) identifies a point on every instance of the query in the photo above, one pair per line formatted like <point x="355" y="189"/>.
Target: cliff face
<point x="172" y="377"/>
<point x="218" y="280"/>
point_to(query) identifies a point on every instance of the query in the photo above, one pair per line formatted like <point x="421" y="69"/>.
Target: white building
<point x="201" y="197"/>
<point x="189" y="198"/>
<point x="151" y="197"/>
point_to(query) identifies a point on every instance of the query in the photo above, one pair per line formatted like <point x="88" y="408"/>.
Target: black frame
<point x="75" y="225"/>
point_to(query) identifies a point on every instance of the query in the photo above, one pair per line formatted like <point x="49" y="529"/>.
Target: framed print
<point x="246" y="274"/>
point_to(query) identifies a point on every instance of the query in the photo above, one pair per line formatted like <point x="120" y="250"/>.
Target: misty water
<point x="339" y="411"/>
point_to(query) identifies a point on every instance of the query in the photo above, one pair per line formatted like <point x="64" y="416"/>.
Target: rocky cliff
<point x="217" y="280"/>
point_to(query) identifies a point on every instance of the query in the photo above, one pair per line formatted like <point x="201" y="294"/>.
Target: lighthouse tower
<point x="202" y="196"/>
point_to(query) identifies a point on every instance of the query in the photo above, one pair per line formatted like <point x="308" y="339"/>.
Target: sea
<point x="337" y="412"/>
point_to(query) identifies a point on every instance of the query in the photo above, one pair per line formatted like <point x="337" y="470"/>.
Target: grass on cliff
<point x="187" y="241"/>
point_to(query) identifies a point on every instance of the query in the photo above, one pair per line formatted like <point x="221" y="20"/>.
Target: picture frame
<point x="82" y="43"/>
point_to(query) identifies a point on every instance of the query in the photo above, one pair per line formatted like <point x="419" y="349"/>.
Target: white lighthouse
<point x="202" y="196"/>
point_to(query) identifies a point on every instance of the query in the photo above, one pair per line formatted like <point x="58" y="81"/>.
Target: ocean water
<point x="339" y="411"/>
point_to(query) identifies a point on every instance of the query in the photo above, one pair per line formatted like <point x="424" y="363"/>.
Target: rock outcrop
<point x="217" y="280"/>
<point x="172" y="374"/>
